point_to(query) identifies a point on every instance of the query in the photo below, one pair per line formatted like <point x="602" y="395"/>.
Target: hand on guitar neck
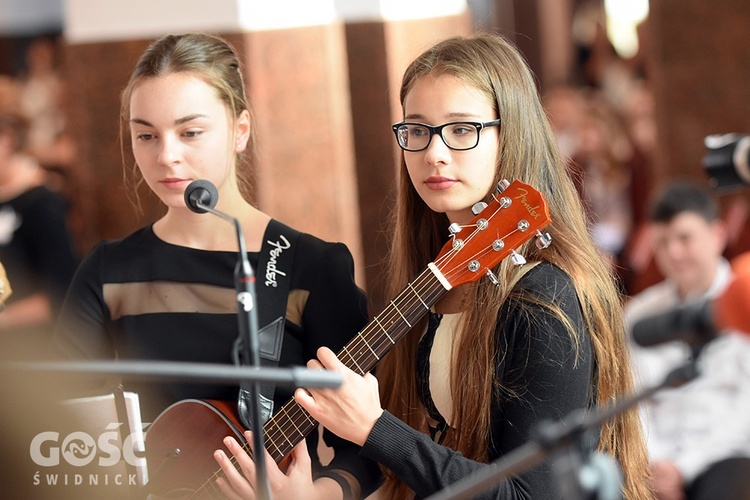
<point x="355" y="407"/>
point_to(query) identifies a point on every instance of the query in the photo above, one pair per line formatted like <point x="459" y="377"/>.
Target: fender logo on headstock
<point x="522" y="196"/>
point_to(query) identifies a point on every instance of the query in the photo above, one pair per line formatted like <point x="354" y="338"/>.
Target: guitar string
<point x="439" y="262"/>
<point x="371" y="346"/>
<point x="292" y="406"/>
<point x="362" y="337"/>
<point x="299" y="410"/>
<point x="276" y="427"/>
<point x="459" y="268"/>
<point x="347" y="353"/>
<point x="296" y="411"/>
<point x="449" y="255"/>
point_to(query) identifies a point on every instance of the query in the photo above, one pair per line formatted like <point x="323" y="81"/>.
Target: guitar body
<point x="180" y="444"/>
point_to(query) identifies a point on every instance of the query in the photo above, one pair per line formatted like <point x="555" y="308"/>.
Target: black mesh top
<point x="142" y="298"/>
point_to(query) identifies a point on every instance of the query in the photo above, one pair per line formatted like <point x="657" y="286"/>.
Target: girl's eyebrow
<point x="178" y="121"/>
<point x="418" y="116"/>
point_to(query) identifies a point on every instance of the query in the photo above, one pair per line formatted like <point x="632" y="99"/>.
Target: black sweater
<point x="536" y="358"/>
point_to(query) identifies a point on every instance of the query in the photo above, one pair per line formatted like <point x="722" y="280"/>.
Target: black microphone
<point x="700" y="322"/>
<point x="693" y="323"/>
<point x="200" y="194"/>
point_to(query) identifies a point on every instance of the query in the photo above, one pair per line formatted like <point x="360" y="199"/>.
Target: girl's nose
<point x="169" y="152"/>
<point x="437" y="151"/>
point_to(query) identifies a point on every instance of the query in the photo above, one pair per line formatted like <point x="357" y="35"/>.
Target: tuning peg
<point x="478" y="207"/>
<point x="504" y="202"/>
<point x="517" y="259"/>
<point x="502" y="185"/>
<point x="454" y="228"/>
<point x="492" y="277"/>
<point x="543" y="240"/>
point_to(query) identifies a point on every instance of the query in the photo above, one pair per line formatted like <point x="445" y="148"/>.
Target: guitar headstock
<point x="517" y="213"/>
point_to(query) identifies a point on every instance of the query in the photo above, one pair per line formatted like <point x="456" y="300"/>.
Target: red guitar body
<point x="180" y="444"/>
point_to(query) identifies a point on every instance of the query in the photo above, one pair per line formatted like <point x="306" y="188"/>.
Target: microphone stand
<point x="553" y="437"/>
<point x="179" y="371"/>
<point x="244" y="281"/>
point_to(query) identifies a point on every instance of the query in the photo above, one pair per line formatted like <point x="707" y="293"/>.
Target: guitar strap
<point x="272" y="283"/>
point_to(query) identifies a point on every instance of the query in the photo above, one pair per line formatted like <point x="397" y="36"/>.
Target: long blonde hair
<point x="527" y="152"/>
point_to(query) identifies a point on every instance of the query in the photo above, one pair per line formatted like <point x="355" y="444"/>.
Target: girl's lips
<point x="439" y="183"/>
<point x="174" y="183"/>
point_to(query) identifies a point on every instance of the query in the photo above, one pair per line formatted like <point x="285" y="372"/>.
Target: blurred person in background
<point x="6" y="290"/>
<point x="602" y="156"/>
<point x="41" y="97"/>
<point x="10" y="92"/>
<point x="35" y="244"/>
<point x="594" y="141"/>
<point x="698" y="434"/>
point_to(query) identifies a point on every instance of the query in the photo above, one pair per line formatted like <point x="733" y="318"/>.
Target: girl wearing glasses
<point x="471" y="382"/>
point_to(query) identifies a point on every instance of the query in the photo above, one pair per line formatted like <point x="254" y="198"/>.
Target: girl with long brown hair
<point x="471" y="382"/>
<point x="492" y="361"/>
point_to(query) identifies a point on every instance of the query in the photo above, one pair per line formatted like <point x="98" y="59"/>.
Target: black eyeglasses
<point x="458" y="136"/>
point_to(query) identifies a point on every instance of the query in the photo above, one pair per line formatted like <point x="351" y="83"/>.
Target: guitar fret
<point x="384" y="330"/>
<point x="420" y="298"/>
<point x="309" y="418"/>
<point x="306" y="425"/>
<point x="281" y="449"/>
<point x="272" y="442"/>
<point x="361" y="371"/>
<point x="297" y="428"/>
<point x="399" y="312"/>
<point x="370" y="348"/>
<point x="291" y="443"/>
<point x="272" y="439"/>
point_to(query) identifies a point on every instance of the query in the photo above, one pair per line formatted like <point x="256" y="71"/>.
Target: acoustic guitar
<point x="181" y="440"/>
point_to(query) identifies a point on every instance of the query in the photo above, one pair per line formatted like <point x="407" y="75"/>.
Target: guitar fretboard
<point x="292" y="422"/>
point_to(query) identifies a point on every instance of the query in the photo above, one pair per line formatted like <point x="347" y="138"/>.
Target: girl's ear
<point x="242" y="132"/>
